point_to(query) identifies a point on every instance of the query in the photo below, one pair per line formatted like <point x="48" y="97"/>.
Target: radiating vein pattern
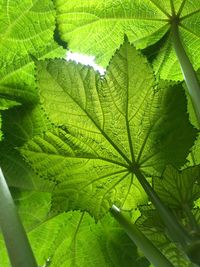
<point x="104" y="23"/>
<point x="25" y="26"/>
<point x="101" y="25"/>
<point x="105" y="127"/>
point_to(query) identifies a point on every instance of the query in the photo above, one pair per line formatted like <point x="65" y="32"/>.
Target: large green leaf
<point x="109" y="127"/>
<point x="26" y="26"/>
<point x="101" y="25"/>
<point x="26" y="30"/>
<point x="79" y="242"/>
<point x="73" y="239"/>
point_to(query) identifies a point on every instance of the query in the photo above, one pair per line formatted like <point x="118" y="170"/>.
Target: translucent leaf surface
<point x="178" y="188"/>
<point x="113" y="125"/>
<point x="26" y="30"/>
<point x="21" y="124"/>
<point x="151" y="225"/>
<point x="73" y="239"/>
<point x="101" y="26"/>
<point x="26" y="26"/>
<point x="17" y="74"/>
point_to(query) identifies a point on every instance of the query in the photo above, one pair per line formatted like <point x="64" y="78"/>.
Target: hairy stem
<point x="149" y="250"/>
<point x="176" y="231"/>
<point x="17" y="243"/>
<point x="188" y="71"/>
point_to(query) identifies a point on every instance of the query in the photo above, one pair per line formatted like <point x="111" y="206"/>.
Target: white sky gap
<point x="85" y="60"/>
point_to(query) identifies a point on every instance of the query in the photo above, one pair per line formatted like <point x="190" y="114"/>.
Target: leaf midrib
<point x="108" y="139"/>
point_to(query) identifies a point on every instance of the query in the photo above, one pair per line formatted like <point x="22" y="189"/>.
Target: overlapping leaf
<point x="101" y="26"/>
<point x="17" y="74"/>
<point x="151" y="225"/>
<point x="26" y="30"/>
<point x="179" y="188"/>
<point x="26" y="26"/>
<point x="21" y="124"/>
<point x="73" y="239"/>
<point x="4" y="105"/>
<point x="108" y="127"/>
<point x="194" y="156"/>
<point x="81" y="242"/>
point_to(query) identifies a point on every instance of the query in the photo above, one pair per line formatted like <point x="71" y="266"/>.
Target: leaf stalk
<point x="16" y="240"/>
<point x="176" y="231"/>
<point x="188" y="71"/>
<point x="149" y="250"/>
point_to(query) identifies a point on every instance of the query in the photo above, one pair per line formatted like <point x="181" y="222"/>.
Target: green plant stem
<point x="149" y="250"/>
<point x="188" y="71"/>
<point x="16" y="240"/>
<point x="176" y="231"/>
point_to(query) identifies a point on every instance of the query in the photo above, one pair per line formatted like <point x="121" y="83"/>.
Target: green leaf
<point x="18" y="173"/>
<point x="17" y="75"/>
<point x="73" y="239"/>
<point x="109" y="127"/>
<point x="81" y="242"/>
<point x="178" y="188"/>
<point x="0" y="128"/>
<point x="26" y="26"/>
<point x="101" y="25"/>
<point x="25" y="122"/>
<point x="27" y="29"/>
<point x="151" y="225"/>
<point x="194" y="156"/>
<point x="6" y="104"/>
<point x="33" y="207"/>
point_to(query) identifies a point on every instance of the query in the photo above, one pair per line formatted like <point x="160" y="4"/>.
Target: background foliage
<point x="70" y="137"/>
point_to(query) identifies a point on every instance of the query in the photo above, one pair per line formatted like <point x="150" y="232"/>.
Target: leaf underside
<point x="71" y="239"/>
<point x="104" y="128"/>
<point x="101" y="26"/>
<point x="82" y="145"/>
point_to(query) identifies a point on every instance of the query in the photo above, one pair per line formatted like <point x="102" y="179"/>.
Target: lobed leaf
<point x="109" y="127"/>
<point x="151" y="225"/>
<point x="26" y="26"/>
<point x="73" y="239"/>
<point x="178" y="189"/>
<point x="101" y="25"/>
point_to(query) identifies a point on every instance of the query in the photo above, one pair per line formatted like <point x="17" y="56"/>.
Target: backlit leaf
<point x="101" y="25"/>
<point x="109" y="127"/>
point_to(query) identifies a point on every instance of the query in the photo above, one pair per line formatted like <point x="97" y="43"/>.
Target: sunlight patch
<point x="85" y="60"/>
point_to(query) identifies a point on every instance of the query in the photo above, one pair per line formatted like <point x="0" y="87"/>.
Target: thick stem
<point x="17" y="243"/>
<point x="149" y="250"/>
<point x="188" y="71"/>
<point x="176" y="231"/>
